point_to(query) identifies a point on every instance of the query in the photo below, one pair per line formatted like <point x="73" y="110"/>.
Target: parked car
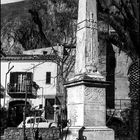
<point x="37" y="122"/>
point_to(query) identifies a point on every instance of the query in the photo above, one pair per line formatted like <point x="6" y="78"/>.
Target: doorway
<point x="15" y="112"/>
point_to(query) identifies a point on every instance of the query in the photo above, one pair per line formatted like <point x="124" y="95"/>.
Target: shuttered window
<point x="48" y="77"/>
<point x="20" y="81"/>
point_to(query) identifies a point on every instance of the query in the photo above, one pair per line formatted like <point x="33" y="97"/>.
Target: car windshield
<point x="38" y="120"/>
<point x="32" y="120"/>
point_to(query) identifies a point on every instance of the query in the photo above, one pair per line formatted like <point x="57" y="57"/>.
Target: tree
<point x="56" y="21"/>
<point x="123" y="17"/>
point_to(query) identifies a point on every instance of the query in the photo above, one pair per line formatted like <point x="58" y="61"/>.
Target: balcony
<point x="19" y="90"/>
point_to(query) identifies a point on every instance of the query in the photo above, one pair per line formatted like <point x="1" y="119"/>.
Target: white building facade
<point x="38" y="70"/>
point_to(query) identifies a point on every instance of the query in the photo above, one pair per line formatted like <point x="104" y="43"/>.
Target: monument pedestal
<point x="86" y="104"/>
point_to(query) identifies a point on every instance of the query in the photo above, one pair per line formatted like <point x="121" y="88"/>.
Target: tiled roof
<point x="30" y="57"/>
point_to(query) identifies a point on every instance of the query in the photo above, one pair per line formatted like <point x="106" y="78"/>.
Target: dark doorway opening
<point x="49" y="110"/>
<point x="15" y="112"/>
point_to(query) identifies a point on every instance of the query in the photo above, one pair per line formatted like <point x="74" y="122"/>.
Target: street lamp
<point x="9" y="69"/>
<point x="55" y="113"/>
<point x="42" y="94"/>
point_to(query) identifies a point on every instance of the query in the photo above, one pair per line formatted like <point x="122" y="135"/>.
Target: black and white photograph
<point x="70" y="70"/>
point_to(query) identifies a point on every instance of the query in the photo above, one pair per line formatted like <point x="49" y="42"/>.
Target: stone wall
<point x="45" y="133"/>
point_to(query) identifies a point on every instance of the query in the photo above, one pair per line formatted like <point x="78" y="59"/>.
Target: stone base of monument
<point x="90" y="133"/>
<point x="86" y="105"/>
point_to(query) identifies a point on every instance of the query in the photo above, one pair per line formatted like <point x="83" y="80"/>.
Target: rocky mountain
<point x="12" y="10"/>
<point x="46" y="24"/>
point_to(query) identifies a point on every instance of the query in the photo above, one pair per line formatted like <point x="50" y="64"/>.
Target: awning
<point x="50" y="96"/>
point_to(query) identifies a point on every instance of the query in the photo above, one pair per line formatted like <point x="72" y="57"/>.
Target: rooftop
<point x="30" y="57"/>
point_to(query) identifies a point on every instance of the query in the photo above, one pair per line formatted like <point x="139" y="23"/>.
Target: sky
<point x="9" y="1"/>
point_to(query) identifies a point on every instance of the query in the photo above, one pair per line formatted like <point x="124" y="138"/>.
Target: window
<point x="39" y="120"/>
<point x="31" y="120"/>
<point x="48" y="77"/>
<point x="40" y="106"/>
<point x="20" y="81"/>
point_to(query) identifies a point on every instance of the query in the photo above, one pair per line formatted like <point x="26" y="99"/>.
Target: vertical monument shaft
<point x="86" y="91"/>
<point x="87" y="37"/>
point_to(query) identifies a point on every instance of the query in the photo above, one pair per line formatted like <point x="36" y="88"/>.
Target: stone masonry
<point x="17" y="133"/>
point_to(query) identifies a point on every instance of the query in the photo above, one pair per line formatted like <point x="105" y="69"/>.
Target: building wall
<point x="121" y="79"/>
<point x="121" y="87"/>
<point x="39" y="69"/>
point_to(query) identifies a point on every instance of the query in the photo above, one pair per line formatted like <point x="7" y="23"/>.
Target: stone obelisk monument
<point x="86" y="91"/>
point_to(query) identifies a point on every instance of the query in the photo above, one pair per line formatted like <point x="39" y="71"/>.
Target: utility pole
<point x="24" y="111"/>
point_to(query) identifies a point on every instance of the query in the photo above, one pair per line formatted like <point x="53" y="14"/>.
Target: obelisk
<point x="86" y="102"/>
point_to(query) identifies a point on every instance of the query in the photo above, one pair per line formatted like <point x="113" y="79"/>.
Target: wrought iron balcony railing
<point x="19" y="90"/>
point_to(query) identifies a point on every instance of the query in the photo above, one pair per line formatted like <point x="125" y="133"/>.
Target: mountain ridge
<point x="12" y="10"/>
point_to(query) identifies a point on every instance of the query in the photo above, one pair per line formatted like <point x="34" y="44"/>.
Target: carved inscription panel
<point x="95" y="95"/>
